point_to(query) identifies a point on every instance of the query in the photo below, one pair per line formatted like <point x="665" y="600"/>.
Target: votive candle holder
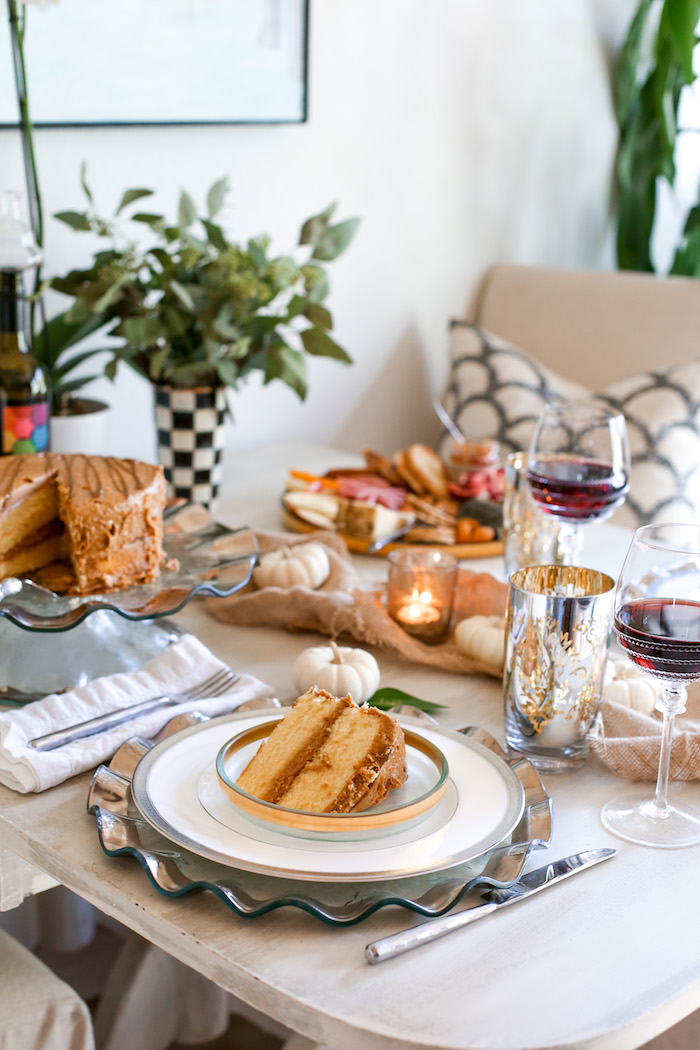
<point x="420" y="591"/>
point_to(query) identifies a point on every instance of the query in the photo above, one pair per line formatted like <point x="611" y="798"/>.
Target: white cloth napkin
<point x="182" y="665"/>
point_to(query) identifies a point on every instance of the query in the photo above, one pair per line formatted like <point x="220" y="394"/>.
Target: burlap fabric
<point x="347" y="607"/>
<point x="629" y="742"/>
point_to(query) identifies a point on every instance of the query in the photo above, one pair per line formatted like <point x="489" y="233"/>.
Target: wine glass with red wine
<point x="657" y="623"/>
<point x="578" y="467"/>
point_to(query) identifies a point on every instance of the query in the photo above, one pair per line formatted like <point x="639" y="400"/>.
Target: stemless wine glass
<point x="578" y="467"/>
<point x="657" y="622"/>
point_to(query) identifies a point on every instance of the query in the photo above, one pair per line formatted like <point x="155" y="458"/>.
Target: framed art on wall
<point x="94" y="62"/>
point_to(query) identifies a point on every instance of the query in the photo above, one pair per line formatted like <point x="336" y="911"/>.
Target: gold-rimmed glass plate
<point x="425" y="785"/>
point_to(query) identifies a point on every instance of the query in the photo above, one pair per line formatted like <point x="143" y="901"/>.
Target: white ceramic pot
<point x="84" y="431"/>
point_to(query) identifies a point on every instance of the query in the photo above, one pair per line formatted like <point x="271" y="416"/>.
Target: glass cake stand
<point x="118" y="630"/>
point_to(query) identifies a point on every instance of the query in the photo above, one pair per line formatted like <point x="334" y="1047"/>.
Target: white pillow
<point x="497" y="391"/>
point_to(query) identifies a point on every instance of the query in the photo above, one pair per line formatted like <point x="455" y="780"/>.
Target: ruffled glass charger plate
<point x="117" y="630"/>
<point x="337" y="899"/>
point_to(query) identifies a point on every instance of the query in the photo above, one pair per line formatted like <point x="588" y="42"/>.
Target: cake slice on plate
<point x="327" y="755"/>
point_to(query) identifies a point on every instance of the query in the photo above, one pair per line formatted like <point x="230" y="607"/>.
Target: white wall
<point x="463" y="132"/>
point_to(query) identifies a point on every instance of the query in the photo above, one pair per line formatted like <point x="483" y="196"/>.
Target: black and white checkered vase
<point x="191" y="432"/>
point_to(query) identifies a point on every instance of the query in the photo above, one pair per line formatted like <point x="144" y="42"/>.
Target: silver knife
<point x="491" y="900"/>
<point x="389" y="537"/>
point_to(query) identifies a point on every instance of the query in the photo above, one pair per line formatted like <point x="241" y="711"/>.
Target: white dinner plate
<point x="484" y="803"/>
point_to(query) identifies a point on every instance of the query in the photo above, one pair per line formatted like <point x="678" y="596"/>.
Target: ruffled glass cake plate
<point x="119" y="630"/>
<point x="338" y="891"/>
<point x="103" y="644"/>
<point x="209" y="558"/>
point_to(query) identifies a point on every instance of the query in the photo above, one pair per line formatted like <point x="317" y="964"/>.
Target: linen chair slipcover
<point x="593" y="326"/>
<point x="38" y="1011"/>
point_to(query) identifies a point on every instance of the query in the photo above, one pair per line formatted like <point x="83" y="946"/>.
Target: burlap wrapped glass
<point x="558" y="624"/>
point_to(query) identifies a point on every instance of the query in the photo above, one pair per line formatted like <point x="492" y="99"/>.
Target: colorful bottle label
<point x="25" y="428"/>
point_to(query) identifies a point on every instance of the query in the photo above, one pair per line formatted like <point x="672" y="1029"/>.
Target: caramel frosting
<point x="111" y="510"/>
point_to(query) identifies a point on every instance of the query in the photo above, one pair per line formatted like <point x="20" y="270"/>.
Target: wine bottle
<point x="24" y="387"/>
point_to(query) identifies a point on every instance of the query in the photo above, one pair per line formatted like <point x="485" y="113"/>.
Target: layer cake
<point x="100" y="515"/>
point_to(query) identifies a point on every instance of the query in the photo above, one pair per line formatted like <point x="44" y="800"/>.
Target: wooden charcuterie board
<point x="488" y="549"/>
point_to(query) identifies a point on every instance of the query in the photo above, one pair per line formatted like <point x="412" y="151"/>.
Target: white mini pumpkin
<point x="339" y="669"/>
<point x="483" y="638"/>
<point x="627" y="685"/>
<point x="304" y="565"/>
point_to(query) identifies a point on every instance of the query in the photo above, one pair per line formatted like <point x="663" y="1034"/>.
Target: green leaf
<point x="224" y="322"/>
<point x="318" y="315"/>
<point x="679" y="19"/>
<point x="195" y="242"/>
<point x="111" y="369"/>
<point x="239" y="349"/>
<point x="257" y="254"/>
<point x="59" y="334"/>
<point x="176" y="322"/>
<point x="77" y="220"/>
<point x="389" y="697"/>
<point x="315" y="227"/>
<point x="183" y="295"/>
<point x="73" y="362"/>
<point x="148" y="218"/>
<point x="157" y="361"/>
<point x="633" y="62"/>
<point x="335" y="240"/>
<point x="130" y="196"/>
<point x="320" y="344"/>
<point x="83" y="181"/>
<point x="79" y="312"/>
<point x="142" y="331"/>
<point x="289" y="366"/>
<point x="215" y="235"/>
<point x="316" y="283"/>
<point x="111" y="296"/>
<point x="186" y="212"/>
<point x="71" y="385"/>
<point x="228" y="372"/>
<point x="216" y="197"/>
<point x="687" y="258"/>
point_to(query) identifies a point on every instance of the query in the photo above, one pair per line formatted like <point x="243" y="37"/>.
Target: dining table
<point x="606" y="960"/>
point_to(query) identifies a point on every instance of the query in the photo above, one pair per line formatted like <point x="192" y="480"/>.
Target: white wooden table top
<point x="607" y="960"/>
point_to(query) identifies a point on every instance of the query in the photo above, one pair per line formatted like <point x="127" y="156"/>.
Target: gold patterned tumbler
<point x="557" y="633"/>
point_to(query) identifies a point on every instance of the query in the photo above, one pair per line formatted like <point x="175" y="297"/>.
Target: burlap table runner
<point x="629" y="742"/>
<point x="346" y="606"/>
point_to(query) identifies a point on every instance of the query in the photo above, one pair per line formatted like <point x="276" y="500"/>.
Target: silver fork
<point x="217" y="684"/>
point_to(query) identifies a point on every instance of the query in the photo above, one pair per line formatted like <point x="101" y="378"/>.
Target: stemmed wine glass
<point x="657" y="622"/>
<point x="578" y="467"/>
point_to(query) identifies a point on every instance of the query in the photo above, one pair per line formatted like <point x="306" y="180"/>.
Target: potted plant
<point x="77" y="422"/>
<point x="653" y="70"/>
<point x="196" y="313"/>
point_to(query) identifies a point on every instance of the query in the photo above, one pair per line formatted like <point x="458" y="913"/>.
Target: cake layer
<point x="44" y="546"/>
<point x="357" y="748"/>
<point x="327" y="755"/>
<point x="291" y="744"/>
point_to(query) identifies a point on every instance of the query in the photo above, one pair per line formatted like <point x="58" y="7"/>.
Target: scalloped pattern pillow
<point x="496" y="390"/>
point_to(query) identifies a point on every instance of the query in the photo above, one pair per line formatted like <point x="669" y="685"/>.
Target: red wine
<point x="577" y="489"/>
<point x="662" y="636"/>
